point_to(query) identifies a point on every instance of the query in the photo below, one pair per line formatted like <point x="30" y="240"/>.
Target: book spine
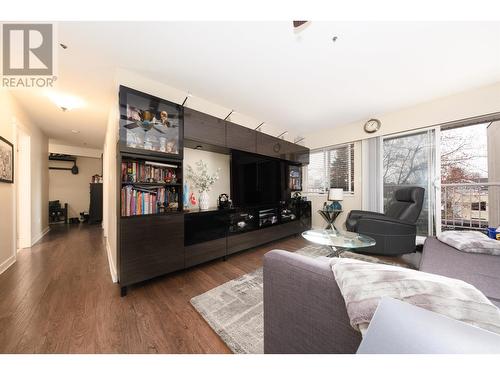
<point x="127" y="212"/>
<point x="124" y="171"/>
<point x="122" y="201"/>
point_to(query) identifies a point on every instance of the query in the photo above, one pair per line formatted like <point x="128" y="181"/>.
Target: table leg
<point x="336" y="251"/>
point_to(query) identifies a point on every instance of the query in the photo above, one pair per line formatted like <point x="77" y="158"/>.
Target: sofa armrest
<point x="304" y="311"/>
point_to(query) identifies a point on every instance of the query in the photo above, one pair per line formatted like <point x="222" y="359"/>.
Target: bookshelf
<point x="150" y="187"/>
<point x="155" y="235"/>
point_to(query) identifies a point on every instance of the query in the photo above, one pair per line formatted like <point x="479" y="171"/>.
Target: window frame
<point x="326" y="152"/>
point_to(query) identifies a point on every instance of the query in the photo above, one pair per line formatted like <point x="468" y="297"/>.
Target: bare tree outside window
<point x="406" y="163"/>
<point x="407" y="160"/>
<point x="331" y="168"/>
<point x="464" y="166"/>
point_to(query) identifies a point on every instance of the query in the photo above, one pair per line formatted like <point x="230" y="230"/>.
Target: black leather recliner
<point x="396" y="230"/>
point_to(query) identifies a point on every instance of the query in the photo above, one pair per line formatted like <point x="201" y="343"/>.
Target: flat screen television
<point x="256" y="180"/>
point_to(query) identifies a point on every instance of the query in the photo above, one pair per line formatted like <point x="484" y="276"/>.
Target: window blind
<point x="331" y="167"/>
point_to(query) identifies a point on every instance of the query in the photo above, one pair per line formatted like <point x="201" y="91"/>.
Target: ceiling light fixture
<point x="74" y="131"/>
<point x="65" y="101"/>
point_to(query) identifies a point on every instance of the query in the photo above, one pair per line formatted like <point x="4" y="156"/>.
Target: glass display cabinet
<point x="150" y="125"/>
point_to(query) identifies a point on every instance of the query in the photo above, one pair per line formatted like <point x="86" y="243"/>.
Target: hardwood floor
<point x="59" y="298"/>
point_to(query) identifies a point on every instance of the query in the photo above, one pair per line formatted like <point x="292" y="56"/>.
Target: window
<point x="478" y="206"/>
<point x="331" y="167"/>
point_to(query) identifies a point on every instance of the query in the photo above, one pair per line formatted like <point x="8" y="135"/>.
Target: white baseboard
<point x="112" y="267"/>
<point x="7" y="263"/>
<point x="40" y="236"/>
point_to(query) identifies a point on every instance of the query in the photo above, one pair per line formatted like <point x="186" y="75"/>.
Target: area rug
<point x="235" y="312"/>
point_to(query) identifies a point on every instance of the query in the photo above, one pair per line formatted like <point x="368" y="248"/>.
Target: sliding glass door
<point x="410" y="160"/>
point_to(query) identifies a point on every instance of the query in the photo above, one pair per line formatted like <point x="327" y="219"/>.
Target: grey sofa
<point x="304" y="311"/>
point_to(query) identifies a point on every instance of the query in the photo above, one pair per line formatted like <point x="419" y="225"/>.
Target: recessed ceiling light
<point x="74" y="131"/>
<point x="65" y="101"/>
<point x="199" y="147"/>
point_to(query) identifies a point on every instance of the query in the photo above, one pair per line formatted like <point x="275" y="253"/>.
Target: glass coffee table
<point x="339" y="241"/>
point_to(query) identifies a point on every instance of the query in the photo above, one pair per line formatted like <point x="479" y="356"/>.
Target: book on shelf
<point x="148" y="172"/>
<point x="142" y="201"/>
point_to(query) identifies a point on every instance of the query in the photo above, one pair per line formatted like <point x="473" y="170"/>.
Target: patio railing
<point x="467" y="205"/>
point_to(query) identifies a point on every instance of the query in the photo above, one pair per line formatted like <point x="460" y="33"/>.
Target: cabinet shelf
<point x="162" y="184"/>
<point x="166" y="213"/>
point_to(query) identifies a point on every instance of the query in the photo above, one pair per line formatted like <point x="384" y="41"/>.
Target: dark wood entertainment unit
<point x="157" y="238"/>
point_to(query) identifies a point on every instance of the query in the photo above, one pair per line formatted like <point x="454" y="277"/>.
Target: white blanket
<point x="363" y="284"/>
<point x="470" y="241"/>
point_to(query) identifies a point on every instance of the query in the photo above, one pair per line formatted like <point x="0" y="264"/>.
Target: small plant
<point x="202" y="181"/>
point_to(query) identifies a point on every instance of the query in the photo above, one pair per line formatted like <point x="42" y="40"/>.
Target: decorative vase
<point x="203" y="201"/>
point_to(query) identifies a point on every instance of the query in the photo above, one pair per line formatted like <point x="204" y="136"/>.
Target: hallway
<point x="59" y="298"/>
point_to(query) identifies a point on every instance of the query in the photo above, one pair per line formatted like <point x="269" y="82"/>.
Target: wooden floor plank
<point x="59" y="298"/>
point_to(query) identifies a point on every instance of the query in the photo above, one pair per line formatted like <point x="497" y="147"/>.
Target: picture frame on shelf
<point x="6" y="161"/>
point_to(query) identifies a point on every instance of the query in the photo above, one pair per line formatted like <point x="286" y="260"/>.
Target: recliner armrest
<point x="385" y="225"/>
<point x="358" y="213"/>
<point x="386" y="219"/>
<point x="352" y="219"/>
<point x="392" y="236"/>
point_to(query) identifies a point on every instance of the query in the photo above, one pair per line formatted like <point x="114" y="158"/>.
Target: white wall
<point x="73" y="189"/>
<point x="214" y="161"/>
<point x="478" y="102"/>
<point x="11" y="116"/>
<point x="39" y="183"/>
<point x="110" y="186"/>
<point x="7" y="191"/>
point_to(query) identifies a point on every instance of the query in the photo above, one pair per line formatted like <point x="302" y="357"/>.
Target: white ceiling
<point x="295" y="81"/>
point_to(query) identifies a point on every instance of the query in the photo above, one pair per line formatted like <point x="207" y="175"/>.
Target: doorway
<point x="23" y="189"/>
<point x="455" y="164"/>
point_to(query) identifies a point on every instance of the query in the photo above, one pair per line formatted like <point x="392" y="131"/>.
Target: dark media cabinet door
<point x="244" y="241"/>
<point x="201" y="127"/>
<point x="241" y="138"/>
<point x="205" y="251"/>
<point x="150" y="246"/>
